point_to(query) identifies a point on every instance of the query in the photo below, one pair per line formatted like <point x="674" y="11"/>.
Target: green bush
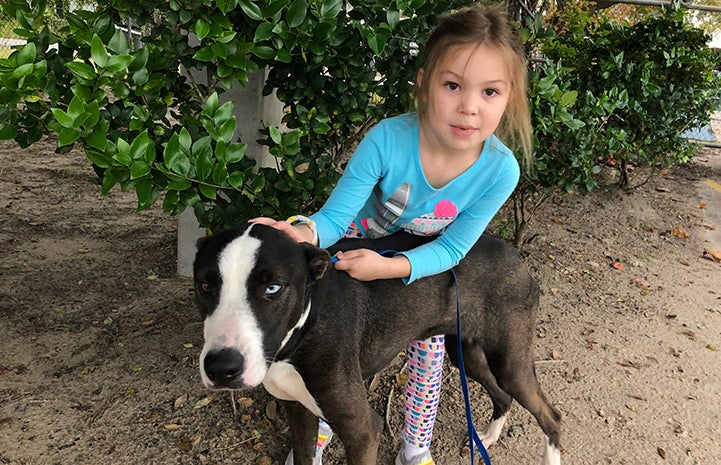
<point x="146" y="127"/>
<point x="642" y="86"/>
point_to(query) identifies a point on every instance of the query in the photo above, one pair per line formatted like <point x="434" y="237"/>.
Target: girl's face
<point x="467" y="95"/>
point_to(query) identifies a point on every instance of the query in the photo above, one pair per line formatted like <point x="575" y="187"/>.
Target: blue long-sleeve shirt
<point x="384" y="189"/>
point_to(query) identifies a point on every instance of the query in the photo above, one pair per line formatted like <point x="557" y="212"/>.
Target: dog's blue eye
<point x="273" y="289"/>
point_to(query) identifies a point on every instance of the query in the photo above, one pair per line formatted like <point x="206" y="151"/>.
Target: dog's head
<point x="251" y="286"/>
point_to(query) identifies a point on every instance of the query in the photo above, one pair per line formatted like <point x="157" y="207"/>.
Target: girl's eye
<point x="273" y="289"/>
<point x="490" y="92"/>
<point x="452" y="85"/>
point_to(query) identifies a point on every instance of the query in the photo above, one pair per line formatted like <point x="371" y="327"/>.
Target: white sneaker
<point x="421" y="459"/>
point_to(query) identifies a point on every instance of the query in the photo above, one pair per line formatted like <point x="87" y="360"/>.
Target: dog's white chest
<point x="284" y="382"/>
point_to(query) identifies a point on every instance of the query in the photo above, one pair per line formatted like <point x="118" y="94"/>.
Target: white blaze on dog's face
<point x="232" y="323"/>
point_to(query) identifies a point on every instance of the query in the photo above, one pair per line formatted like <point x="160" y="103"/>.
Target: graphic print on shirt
<point x="389" y="212"/>
<point x="435" y="222"/>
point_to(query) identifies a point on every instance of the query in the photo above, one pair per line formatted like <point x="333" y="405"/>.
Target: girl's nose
<point x="468" y="104"/>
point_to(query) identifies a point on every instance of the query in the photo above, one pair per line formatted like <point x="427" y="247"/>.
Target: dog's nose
<point x="224" y="367"/>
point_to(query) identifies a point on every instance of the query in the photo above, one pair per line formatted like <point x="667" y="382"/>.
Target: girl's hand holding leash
<point x="368" y="265"/>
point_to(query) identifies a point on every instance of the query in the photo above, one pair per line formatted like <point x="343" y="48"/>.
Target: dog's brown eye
<point x="204" y="287"/>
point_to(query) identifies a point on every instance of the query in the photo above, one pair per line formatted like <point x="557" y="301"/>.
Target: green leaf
<point x="283" y="56"/>
<point x="143" y="148"/>
<point x="264" y="31"/>
<point x="227" y="130"/>
<point x="264" y="52"/>
<point x="118" y="63"/>
<point x="330" y="9"/>
<point x="98" y="51"/>
<point x="235" y="152"/>
<point x="67" y="136"/>
<point x="251" y="9"/>
<point x="377" y="41"/>
<point x="82" y="70"/>
<point x="76" y="109"/>
<point x="139" y="169"/>
<point x="123" y="154"/>
<point x="145" y="193"/>
<point x="174" y="158"/>
<point x="203" y="153"/>
<point x="26" y="54"/>
<point x="296" y="13"/>
<point x="223" y="113"/>
<point x="119" y="43"/>
<point x="62" y="118"/>
<point x="202" y="28"/>
<point x="204" y="54"/>
<point x="7" y="132"/>
<point x="275" y="135"/>
<point x="99" y="159"/>
<point x="98" y="139"/>
<point x="185" y="140"/>
<point x="208" y="191"/>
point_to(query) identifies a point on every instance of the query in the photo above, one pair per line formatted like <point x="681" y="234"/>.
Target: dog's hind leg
<point x="476" y="365"/>
<point x="303" y="432"/>
<point x="517" y="376"/>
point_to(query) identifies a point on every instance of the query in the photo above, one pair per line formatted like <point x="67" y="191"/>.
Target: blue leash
<point x="472" y="433"/>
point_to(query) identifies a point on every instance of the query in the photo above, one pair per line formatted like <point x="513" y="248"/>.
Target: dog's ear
<point x="318" y="260"/>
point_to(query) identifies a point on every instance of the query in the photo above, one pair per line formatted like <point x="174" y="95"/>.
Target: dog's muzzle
<point x="224" y="368"/>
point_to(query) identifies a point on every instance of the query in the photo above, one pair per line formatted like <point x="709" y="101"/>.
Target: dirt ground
<point x="99" y="338"/>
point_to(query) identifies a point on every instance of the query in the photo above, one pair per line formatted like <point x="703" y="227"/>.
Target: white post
<point x="252" y="111"/>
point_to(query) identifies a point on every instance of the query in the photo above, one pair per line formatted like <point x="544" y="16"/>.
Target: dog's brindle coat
<point x="277" y="313"/>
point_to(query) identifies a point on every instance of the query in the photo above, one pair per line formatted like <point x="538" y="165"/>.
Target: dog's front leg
<point x="358" y="427"/>
<point x="303" y="432"/>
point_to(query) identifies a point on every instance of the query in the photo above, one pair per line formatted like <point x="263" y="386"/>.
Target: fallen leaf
<point x="662" y="189"/>
<point x="712" y="347"/>
<point x="714" y="255"/>
<point x="188" y="345"/>
<point x="245" y="402"/>
<point x="680" y="233"/>
<point x="172" y="426"/>
<point x="701" y="206"/>
<point x="629" y="364"/>
<point x="400" y="379"/>
<point x="148" y="321"/>
<point x="184" y="444"/>
<point x="203" y="402"/>
<point x="271" y="410"/>
<point x="709" y="227"/>
<point x="618" y="265"/>
<point x="661" y="453"/>
<point x="180" y="401"/>
<point x="555" y="355"/>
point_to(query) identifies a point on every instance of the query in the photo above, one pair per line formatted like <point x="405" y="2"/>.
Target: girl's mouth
<point x="463" y="131"/>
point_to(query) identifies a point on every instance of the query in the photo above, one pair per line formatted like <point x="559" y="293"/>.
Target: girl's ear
<point x="419" y="78"/>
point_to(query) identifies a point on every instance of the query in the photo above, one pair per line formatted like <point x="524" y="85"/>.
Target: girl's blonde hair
<point x="484" y="26"/>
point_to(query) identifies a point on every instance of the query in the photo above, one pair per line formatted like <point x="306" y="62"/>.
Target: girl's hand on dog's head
<point x="300" y="233"/>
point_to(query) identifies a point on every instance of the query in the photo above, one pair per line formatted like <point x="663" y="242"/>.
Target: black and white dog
<point x="276" y="312"/>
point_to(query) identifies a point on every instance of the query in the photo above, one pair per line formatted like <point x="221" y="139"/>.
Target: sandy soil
<point x="100" y="338"/>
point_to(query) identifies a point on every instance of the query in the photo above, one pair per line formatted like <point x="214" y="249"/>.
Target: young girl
<point x="444" y="170"/>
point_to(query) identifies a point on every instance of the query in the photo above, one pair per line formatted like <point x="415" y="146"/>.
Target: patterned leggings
<point x="423" y="389"/>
